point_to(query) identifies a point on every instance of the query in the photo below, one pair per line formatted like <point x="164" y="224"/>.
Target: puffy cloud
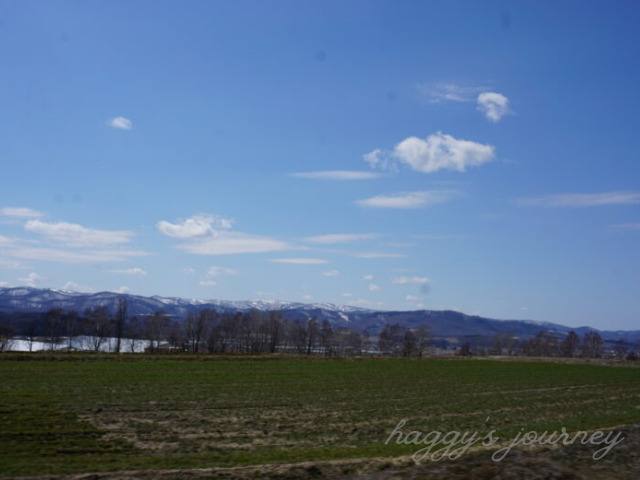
<point x="299" y="261"/>
<point x="339" y="238"/>
<point x="188" y="271"/>
<point x="407" y="200"/>
<point x="121" y="123"/>
<point x="582" y="199"/>
<point x="336" y="175"/>
<point x="32" y="279"/>
<point x="438" y="151"/>
<point x="74" y="235"/>
<point x="331" y="273"/>
<point x="493" y="105"/>
<point x="131" y="271"/>
<point x="21" y="212"/>
<point x="373" y="287"/>
<point x="368" y="277"/>
<point x="211" y="235"/>
<point x="197" y="226"/>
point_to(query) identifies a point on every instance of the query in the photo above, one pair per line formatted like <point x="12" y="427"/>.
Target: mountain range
<point x="443" y="324"/>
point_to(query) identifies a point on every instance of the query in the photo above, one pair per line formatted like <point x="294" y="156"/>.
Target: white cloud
<point x="71" y="286"/>
<point x="299" y="261"/>
<point x="67" y="256"/>
<point x="227" y="243"/>
<point x="378" y="158"/>
<point x="32" y="279"/>
<point x="197" y="226"/>
<point x="74" y="235"/>
<point x="131" y="271"/>
<point x="207" y="283"/>
<point x="336" y="175"/>
<point x="406" y="280"/>
<point x="7" y="241"/>
<point x="307" y="297"/>
<point x="582" y="199"/>
<point x="216" y="271"/>
<point x="627" y="226"/>
<point x="493" y="105"/>
<point x="378" y="255"/>
<point x="331" y="273"/>
<point x="121" y="123"/>
<point x="346" y="295"/>
<point x="438" y="151"/>
<point x="368" y="277"/>
<point x="122" y="289"/>
<point x="188" y="271"/>
<point x="412" y="298"/>
<point x="210" y="235"/>
<point x="448" y="92"/>
<point x="373" y="287"/>
<point x="406" y="200"/>
<point x="20" y="212"/>
<point x="339" y="238"/>
<point x="4" y="284"/>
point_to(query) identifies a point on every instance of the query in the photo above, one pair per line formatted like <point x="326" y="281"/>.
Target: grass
<point x="98" y="413"/>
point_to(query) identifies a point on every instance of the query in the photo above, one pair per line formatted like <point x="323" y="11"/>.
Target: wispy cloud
<point x="415" y="280"/>
<point x="626" y="226"/>
<point x="216" y="271"/>
<point x="582" y="199"/>
<point x="131" y="271"/>
<point x="74" y="235"/>
<point x="373" y="287"/>
<point x="299" y="261"/>
<point x="121" y="123"/>
<point x="334" y="238"/>
<point x="378" y="255"/>
<point x="406" y="200"/>
<point x="493" y="105"/>
<point x="207" y="283"/>
<point x="337" y="175"/>
<point x="20" y="212"/>
<point x="331" y="273"/>
<point x="211" y="235"/>
<point x="448" y="92"/>
<point x="74" y="256"/>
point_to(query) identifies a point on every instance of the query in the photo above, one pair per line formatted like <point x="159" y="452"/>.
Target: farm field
<point x="84" y="413"/>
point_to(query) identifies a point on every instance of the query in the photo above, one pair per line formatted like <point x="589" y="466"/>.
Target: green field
<point x="83" y="413"/>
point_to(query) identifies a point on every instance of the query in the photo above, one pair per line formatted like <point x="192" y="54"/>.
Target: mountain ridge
<point x="442" y="323"/>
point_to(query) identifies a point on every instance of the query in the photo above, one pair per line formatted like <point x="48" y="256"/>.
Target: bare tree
<point x="592" y="345"/>
<point x="6" y="336"/>
<point x="570" y="346"/>
<point x="120" y="321"/>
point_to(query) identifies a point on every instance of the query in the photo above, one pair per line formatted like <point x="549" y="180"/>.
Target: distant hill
<point x="443" y="324"/>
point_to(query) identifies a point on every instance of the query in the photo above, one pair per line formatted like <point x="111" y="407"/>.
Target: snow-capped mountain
<point x="441" y="324"/>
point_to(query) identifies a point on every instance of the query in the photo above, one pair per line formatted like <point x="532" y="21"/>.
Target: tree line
<point x="259" y="332"/>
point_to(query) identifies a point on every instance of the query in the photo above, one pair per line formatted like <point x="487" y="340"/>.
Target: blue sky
<point x="477" y="156"/>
